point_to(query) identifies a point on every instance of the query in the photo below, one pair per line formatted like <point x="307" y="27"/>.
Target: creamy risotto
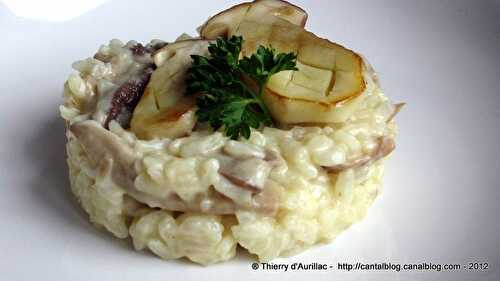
<point x="200" y="194"/>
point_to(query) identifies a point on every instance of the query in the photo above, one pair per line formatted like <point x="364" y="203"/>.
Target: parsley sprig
<point x="222" y="81"/>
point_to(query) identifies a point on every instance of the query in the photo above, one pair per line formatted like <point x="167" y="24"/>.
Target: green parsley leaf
<point x="223" y="97"/>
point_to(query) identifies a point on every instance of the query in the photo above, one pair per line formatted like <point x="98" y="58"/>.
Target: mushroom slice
<point x="385" y="145"/>
<point x="118" y="98"/>
<point x="126" y="97"/>
<point x="164" y="110"/>
<point x="226" y="22"/>
<point x="101" y="145"/>
<point x="250" y="174"/>
<point x="109" y="154"/>
<point x="327" y="84"/>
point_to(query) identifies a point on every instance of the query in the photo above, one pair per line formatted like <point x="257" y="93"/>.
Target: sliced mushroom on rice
<point x="385" y="145"/>
<point x="126" y="97"/>
<point x="248" y="173"/>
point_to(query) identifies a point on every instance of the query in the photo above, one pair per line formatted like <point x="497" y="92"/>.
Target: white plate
<point x="441" y="198"/>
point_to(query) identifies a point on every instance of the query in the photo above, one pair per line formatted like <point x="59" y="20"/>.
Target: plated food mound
<point x="256" y="133"/>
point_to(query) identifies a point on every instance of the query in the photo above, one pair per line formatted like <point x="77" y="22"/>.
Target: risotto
<point x="198" y="194"/>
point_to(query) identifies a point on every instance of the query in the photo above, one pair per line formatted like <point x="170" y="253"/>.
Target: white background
<point x="441" y="201"/>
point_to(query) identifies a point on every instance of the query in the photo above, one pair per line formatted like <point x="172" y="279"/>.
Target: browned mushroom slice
<point x="385" y="145"/>
<point x="111" y="155"/>
<point x="326" y="85"/>
<point x="226" y="22"/>
<point x="164" y="111"/>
